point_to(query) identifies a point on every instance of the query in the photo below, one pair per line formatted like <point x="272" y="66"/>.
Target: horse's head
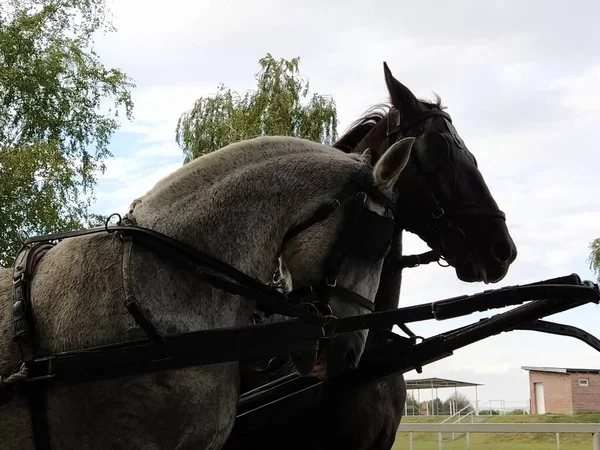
<point x="334" y="252"/>
<point x="442" y="194"/>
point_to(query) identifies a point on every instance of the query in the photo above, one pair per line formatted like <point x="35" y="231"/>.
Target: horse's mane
<point x="358" y="129"/>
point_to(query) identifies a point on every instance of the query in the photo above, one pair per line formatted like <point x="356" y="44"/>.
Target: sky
<point x="521" y="81"/>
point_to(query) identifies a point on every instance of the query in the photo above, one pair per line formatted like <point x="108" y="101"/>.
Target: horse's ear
<point x="366" y="156"/>
<point x="392" y="163"/>
<point x="402" y="98"/>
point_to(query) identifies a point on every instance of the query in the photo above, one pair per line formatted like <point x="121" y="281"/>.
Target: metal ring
<point x="310" y="307"/>
<point x="326" y="312"/>
<point x="418" y="262"/>
<point x="331" y="284"/>
<point x="363" y="195"/>
<point x="335" y="202"/>
<point x="22" y="235"/>
<point x="442" y="259"/>
<point x="329" y="326"/>
<point x="108" y="220"/>
<point x="439" y="214"/>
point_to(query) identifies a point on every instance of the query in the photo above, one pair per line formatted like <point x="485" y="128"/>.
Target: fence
<point x="468" y="428"/>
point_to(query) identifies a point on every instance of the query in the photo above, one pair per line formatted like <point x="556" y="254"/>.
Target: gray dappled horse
<point x="367" y="417"/>
<point x="238" y="204"/>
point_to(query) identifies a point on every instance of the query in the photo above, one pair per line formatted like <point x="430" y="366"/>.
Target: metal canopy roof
<point x="558" y="369"/>
<point x="428" y="383"/>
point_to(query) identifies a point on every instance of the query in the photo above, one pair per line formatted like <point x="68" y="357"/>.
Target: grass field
<point x="504" y="441"/>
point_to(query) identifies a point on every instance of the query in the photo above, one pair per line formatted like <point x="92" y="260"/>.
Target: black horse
<point x="367" y="417"/>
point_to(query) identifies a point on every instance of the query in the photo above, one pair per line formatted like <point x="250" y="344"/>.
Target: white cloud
<point x="519" y="85"/>
<point x="581" y="93"/>
<point x="117" y="197"/>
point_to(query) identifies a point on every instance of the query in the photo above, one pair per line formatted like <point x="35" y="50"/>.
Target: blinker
<point x="457" y="139"/>
<point x="432" y="151"/>
<point x="369" y="235"/>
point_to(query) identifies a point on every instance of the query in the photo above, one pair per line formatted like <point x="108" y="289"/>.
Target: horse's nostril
<point x="351" y="360"/>
<point x="502" y="251"/>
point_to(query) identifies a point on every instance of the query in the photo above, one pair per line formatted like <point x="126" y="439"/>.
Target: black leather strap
<point x="130" y="301"/>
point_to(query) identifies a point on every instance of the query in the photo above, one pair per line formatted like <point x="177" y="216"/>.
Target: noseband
<point x="452" y="244"/>
<point x="364" y="233"/>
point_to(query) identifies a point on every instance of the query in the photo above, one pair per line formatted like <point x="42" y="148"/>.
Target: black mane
<point x="357" y="130"/>
<point x="361" y="127"/>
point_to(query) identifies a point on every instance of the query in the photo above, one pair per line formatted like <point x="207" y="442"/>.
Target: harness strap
<point x="130" y="301"/>
<point x="36" y="397"/>
<point x="298" y="295"/>
<point x="410" y="261"/>
<point x="320" y="214"/>
<point x="365" y="180"/>
<point x="24" y="336"/>
<point x="266" y="297"/>
<point x="25" y="263"/>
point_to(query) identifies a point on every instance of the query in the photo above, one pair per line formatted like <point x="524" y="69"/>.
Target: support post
<point x="432" y="402"/>
<point x="440" y="440"/>
<point x="557" y="441"/>
<point x="596" y="441"/>
<point x="468" y="440"/>
<point x="410" y="440"/>
<point x="476" y="402"/>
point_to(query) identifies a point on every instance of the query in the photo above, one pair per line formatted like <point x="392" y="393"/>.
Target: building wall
<point x="557" y="391"/>
<point x="585" y="398"/>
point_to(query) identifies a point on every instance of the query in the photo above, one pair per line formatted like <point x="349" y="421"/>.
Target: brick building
<point x="563" y="390"/>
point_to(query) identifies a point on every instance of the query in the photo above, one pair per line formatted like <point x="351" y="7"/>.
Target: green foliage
<point x="59" y="107"/>
<point x="594" y="257"/>
<point x="412" y="404"/>
<point x="435" y="406"/>
<point x="489" y="412"/>
<point x="460" y="401"/>
<point x="275" y="108"/>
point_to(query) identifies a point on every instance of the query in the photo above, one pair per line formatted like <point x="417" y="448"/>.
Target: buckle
<point x="329" y="326"/>
<point x="438" y="212"/>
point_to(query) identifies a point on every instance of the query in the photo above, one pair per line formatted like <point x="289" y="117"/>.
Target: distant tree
<point x="412" y="405"/>
<point x="594" y="257"/>
<point x="277" y="108"/>
<point x="460" y="401"/>
<point x="436" y="406"/>
<point x="59" y="106"/>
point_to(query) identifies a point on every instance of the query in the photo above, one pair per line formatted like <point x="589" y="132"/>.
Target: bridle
<point x="451" y="245"/>
<point x="364" y="233"/>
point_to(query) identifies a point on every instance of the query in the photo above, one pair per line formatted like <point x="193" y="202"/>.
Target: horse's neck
<point x="240" y="215"/>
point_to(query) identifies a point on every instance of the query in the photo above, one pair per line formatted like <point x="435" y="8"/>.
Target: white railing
<point x="458" y="414"/>
<point x="468" y="428"/>
<point x="458" y="417"/>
